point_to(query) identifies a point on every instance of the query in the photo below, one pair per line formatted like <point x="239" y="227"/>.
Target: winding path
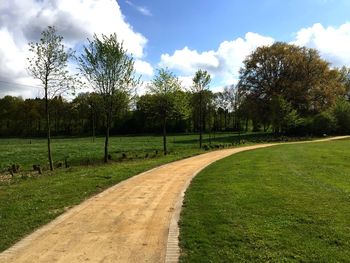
<point x="133" y="221"/>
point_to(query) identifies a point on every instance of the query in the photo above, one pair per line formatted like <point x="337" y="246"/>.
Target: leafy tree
<point x="345" y="79"/>
<point x="225" y="102"/>
<point x="297" y="75"/>
<point x="48" y="64"/>
<point x="201" y="81"/>
<point x="165" y="100"/>
<point x="341" y="112"/>
<point x="283" y="116"/>
<point x="324" y="123"/>
<point x="110" y="71"/>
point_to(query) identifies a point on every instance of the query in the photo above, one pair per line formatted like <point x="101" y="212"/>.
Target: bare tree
<point x="110" y="70"/>
<point x="48" y="64"/>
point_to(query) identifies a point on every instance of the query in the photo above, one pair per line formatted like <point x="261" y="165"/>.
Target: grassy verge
<point x="281" y="204"/>
<point x="26" y="204"/>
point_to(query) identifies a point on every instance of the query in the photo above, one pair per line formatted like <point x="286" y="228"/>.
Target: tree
<point x="201" y="81"/>
<point x="283" y="116"/>
<point x="227" y="102"/>
<point x="48" y="64"/>
<point x="165" y="100"/>
<point x="297" y="75"/>
<point x="341" y="112"/>
<point x="110" y="71"/>
<point x="345" y="79"/>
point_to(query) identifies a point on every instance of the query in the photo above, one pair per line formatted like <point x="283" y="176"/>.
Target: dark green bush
<point x="341" y="113"/>
<point x="324" y="123"/>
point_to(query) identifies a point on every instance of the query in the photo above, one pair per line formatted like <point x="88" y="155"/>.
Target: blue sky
<point x="182" y="35"/>
<point x="204" y="24"/>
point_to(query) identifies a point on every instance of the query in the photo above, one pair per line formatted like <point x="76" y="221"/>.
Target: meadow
<point x="82" y="151"/>
<point x="287" y="203"/>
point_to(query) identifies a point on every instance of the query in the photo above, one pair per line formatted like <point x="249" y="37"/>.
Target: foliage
<point x="324" y="123"/>
<point x="201" y="81"/>
<point x="110" y="71"/>
<point x="295" y="74"/>
<point x="165" y="100"/>
<point x="282" y="88"/>
<point x="341" y="112"/>
<point x="345" y="79"/>
<point x="283" y="116"/>
<point x="48" y="64"/>
<point x="281" y="204"/>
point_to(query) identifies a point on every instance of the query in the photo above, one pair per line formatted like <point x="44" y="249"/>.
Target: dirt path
<point x="128" y="222"/>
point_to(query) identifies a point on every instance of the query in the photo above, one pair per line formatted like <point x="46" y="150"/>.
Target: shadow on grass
<point x="234" y="138"/>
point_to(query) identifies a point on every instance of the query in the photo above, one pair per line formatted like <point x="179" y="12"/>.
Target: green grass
<point x="288" y="203"/>
<point x="27" y="152"/>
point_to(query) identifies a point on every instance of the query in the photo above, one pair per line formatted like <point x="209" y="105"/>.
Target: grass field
<point x="27" y="152"/>
<point x="287" y="203"/>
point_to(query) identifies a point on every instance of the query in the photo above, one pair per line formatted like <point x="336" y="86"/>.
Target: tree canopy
<point x="288" y="75"/>
<point x="48" y="63"/>
<point x="110" y="71"/>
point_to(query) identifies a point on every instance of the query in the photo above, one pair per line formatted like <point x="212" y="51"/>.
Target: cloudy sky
<point x="183" y="35"/>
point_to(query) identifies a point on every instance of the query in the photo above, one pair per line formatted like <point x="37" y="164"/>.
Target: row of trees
<point x="137" y="115"/>
<point x="283" y="88"/>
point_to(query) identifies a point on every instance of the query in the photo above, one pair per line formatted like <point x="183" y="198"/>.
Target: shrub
<point x="341" y="113"/>
<point x="206" y="147"/>
<point x="324" y="123"/>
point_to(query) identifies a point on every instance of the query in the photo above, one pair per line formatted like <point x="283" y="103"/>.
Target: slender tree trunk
<point x="107" y="140"/>
<point x="93" y="126"/>
<point x="106" y="145"/>
<point x="164" y="137"/>
<point x="200" y="119"/>
<point x="48" y="129"/>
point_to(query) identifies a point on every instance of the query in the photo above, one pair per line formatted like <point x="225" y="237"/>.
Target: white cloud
<point x="188" y="61"/>
<point x="223" y="63"/>
<point x="23" y="21"/>
<point x="142" y="88"/>
<point x="142" y="9"/>
<point x="143" y="68"/>
<point x="186" y="82"/>
<point x="332" y="42"/>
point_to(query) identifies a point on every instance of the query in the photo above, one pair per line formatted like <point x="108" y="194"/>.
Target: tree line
<point x="282" y="88"/>
<point x="83" y="116"/>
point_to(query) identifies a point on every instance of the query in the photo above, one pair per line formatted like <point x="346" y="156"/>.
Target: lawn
<point x="77" y="151"/>
<point x="286" y="203"/>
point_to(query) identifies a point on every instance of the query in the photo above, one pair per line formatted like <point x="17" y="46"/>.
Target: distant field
<point x="27" y="152"/>
<point x="286" y="203"/>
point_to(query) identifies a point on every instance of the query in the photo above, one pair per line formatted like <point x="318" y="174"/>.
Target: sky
<point x="181" y="35"/>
